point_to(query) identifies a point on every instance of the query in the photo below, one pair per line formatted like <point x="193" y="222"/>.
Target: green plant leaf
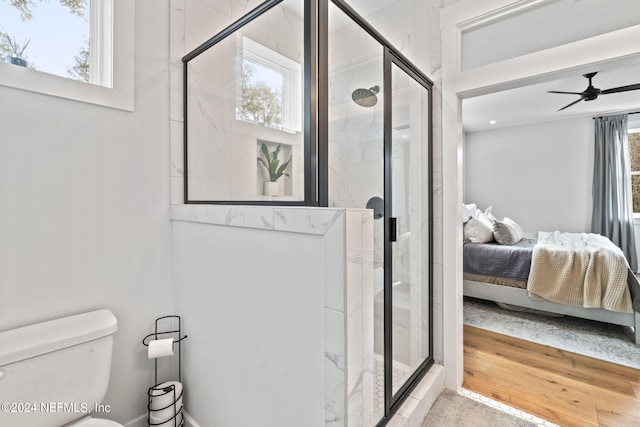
<point x="272" y="164"/>
<point x="281" y="169"/>
<point x="265" y="153"/>
<point x="273" y="170"/>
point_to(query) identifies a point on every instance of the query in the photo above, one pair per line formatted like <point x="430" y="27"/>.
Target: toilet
<point x="56" y="373"/>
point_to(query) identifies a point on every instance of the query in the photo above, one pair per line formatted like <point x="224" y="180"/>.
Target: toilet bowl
<point x="66" y="360"/>
<point x="89" y="421"/>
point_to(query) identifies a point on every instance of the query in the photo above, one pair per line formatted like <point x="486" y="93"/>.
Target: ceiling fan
<point x="591" y="93"/>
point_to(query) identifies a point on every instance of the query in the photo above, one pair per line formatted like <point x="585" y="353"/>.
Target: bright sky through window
<point x="56" y="34"/>
<point x="269" y="76"/>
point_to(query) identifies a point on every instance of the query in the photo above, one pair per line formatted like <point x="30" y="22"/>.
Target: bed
<point x="502" y="273"/>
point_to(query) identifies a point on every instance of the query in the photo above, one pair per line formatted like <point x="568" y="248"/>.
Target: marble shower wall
<point x="411" y="26"/>
<point x="356" y="158"/>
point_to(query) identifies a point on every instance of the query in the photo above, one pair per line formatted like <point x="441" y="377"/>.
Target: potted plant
<point x="271" y="163"/>
<point x="14" y="49"/>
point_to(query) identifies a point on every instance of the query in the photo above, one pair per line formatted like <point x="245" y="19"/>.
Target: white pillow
<point x="507" y="231"/>
<point x="469" y="211"/>
<point x="478" y="230"/>
<point x="489" y="214"/>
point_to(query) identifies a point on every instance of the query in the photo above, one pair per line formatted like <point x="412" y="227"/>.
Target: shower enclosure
<point x="305" y="103"/>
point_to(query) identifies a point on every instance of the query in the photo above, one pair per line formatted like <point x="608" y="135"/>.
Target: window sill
<point x="30" y="80"/>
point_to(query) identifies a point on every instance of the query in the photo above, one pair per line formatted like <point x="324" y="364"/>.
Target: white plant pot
<point x="272" y="189"/>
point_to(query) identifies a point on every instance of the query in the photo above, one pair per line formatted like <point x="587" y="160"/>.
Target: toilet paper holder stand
<point x="177" y="336"/>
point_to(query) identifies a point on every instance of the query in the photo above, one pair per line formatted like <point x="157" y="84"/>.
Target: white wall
<point x="278" y="306"/>
<point x="84" y="210"/>
<point x="539" y="175"/>
<point x="252" y="301"/>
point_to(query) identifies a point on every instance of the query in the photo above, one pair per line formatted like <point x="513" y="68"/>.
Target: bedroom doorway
<point x="561" y="61"/>
<point x="610" y="347"/>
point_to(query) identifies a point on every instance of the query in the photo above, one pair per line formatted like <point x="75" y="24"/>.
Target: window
<point x="243" y="100"/>
<point x="269" y="90"/>
<point x="634" y="150"/>
<point x="69" y="48"/>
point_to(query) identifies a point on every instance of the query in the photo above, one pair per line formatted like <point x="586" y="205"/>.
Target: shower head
<point x="366" y="97"/>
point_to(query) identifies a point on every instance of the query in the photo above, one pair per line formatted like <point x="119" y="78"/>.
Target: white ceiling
<point x="532" y="104"/>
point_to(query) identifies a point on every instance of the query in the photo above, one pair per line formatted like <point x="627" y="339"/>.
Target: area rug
<point x="452" y="409"/>
<point x="599" y="340"/>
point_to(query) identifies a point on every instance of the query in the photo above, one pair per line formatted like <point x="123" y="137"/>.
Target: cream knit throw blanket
<point x="580" y="269"/>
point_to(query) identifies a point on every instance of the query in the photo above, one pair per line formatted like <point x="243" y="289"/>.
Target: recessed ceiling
<point x="532" y="104"/>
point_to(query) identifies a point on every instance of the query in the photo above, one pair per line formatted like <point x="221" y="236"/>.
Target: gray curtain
<point x="612" y="201"/>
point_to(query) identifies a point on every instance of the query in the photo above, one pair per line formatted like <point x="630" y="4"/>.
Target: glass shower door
<point x="409" y="234"/>
<point x="378" y="151"/>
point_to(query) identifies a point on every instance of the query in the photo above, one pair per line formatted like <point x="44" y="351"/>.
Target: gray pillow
<point x="507" y="231"/>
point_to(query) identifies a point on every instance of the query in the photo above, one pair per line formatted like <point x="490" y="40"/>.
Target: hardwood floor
<point x="565" y="388"/>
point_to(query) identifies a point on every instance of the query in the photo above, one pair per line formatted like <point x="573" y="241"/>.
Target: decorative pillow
<point x="469" y="211"/>
<point x="507" y="231"/>
<point x="478" y="230"/>
<point x="489" y="214"/>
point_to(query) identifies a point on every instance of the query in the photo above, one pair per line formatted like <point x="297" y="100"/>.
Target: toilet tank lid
<point x="45" y="337"/>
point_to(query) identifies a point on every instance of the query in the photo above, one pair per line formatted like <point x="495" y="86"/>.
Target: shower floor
<point x="400" y="373"/>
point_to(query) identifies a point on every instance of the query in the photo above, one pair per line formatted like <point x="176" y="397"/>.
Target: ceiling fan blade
<point x="621" y="89"/>
<point x="574" y="102"/>
<point x="568" y="93"/>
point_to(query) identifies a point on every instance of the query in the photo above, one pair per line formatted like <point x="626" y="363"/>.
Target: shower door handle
<point x="393" y="234"/>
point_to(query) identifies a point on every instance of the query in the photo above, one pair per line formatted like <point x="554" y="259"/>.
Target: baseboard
<point x="189" y="421"/>
<point x="141" y="421"/>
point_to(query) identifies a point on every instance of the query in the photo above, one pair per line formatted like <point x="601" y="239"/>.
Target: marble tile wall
<point x="356" y="168"/>
<point x="359" y="312"/>
<point x="177" y="50"/>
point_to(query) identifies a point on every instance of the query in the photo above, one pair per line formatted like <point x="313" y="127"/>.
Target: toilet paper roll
<point x="160" y="348"/>
<point x="163" y="402"/>
<point x="155" y="422"/>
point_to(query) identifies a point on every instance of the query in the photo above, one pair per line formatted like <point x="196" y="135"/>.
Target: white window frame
<point x="292" y="81"/>
<point x="112" y="40"/>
